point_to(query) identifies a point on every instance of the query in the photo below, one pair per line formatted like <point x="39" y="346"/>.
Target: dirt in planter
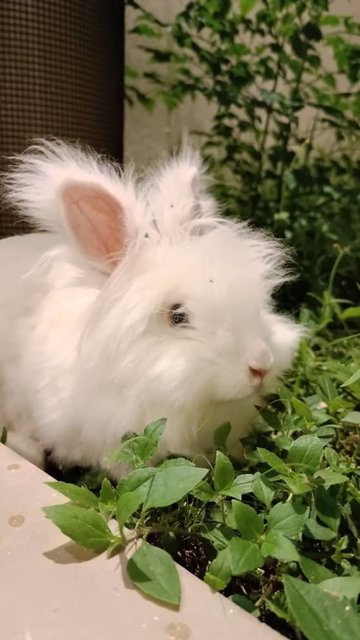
<point x="279" y="625"/>
<point x="192" y="553"/>
<point x="188" y="551"/>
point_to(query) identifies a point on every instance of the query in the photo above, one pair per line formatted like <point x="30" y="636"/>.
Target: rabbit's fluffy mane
<point x="167" y="206"/>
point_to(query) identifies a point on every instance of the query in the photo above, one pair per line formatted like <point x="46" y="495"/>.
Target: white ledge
<point x="52" y="589"/>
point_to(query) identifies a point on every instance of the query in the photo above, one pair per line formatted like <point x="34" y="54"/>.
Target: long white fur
<point x="86" y="357"/>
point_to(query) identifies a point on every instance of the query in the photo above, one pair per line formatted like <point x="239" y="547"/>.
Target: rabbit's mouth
<point x="238" y="392"/>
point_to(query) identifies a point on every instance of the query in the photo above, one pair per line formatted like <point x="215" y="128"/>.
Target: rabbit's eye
<point x="177" y="315"/>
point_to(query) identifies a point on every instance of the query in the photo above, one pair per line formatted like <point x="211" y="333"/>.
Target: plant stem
<point x="263" y="142"/>
<point x="146" y="531"/>
<point x="334" y="269"/>
<point x="286" y="139"/>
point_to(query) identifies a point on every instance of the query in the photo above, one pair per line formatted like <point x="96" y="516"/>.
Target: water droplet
<point x="16" y="520"/>
<point x="12" y="467"/>
<point x="156" y="618"/>
<point x="178" y="631"/>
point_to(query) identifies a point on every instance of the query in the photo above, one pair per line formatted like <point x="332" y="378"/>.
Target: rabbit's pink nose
<point x="257" y="372"/>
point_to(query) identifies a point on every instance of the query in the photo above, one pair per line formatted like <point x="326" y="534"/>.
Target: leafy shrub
<point x="266" y="66"/>
<point x="279" y="533"/>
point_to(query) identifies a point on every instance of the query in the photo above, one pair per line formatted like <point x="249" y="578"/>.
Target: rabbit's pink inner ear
<point x="96" y="219"/>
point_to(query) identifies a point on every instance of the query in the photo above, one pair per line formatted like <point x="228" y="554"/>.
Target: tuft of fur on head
<point x="168" y="206"/>
<point x="171" y="204"/>
<point x="176" y="193"/>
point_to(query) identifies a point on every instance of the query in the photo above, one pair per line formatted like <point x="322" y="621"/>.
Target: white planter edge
<point x="55" y="590"/>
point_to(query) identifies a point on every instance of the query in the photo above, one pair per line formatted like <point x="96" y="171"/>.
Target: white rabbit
<point x="138" y="302"/>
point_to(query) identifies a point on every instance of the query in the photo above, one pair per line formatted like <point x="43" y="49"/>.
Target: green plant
<point x="267" y="67"/>
<point x="277" y="533"/>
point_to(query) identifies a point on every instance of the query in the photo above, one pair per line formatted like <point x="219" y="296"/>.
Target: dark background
<point x="61" y="74"/>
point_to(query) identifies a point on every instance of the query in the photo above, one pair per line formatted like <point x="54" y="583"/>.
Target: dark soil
<point x="188" y="551"/>
<point x="192" y="553"/>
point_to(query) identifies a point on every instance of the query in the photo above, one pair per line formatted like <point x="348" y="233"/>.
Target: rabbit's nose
<point x="260" y="360"/>
<point x="257" y="372"/>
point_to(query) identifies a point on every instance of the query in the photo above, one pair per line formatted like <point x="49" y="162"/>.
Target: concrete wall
<point x="150" y="135"/>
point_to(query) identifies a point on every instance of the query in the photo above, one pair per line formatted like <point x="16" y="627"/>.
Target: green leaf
<point x="313" y="571"/>
<point x="218" y="574"/>
<point x="126" y="505"/>
<point x="288" y="518"/>
<point x="137" y="480"/>
<point x="312" y="31"/>
<point x="221" y="435"/>
<point x="332" y="457"/>
<point x="153" y="571"/>
<point x="144" y="29"/>
<point x="273" y="461"/>
<point x="204" y="492"/>
<point x="345" y="587"/>
<point x="319" y="532"/>
<point x="278" y="608"/>
<point x="246" y="6"/>
<point x="329" y="21"/>
<point x="327" y="509"/>
<point x="244" y="556"/>
<point x="223" y="472"/>
<point x="247" y="521"/>
<point x="241" y="485"/>
<point x="262" y="490"/>
<point x="306" y="452"/>
<point x="243" y="602"/>
<point x="175" y="462"/>
<point x="301" y="409"/>
<point x="353" y="417"/>
<point x="154" y="430"/>
<point x="327" y="388"/>
<point x="330" y="477"/>
<point x="108" y="494"/>
<point x="318" y="614"/>
<point x="129" y="72"/>
<point x="270" y="418"/>
<point x="278" y="546"/>
<point x="138" y="449"/>
<point x="354" y="378"/>
<point x="350" y="312"/>
<point x="296" y="483"/>
<point x="172" y="483"/>
<point x="79" y="495"/>
<point x="218" y="534"/>
<point x="84" y="526"/>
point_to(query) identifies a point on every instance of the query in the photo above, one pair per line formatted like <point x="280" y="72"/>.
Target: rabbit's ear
<point x="96" y="221"/>
<point x="78" y="195"/>
<point x="177" y="195"/>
